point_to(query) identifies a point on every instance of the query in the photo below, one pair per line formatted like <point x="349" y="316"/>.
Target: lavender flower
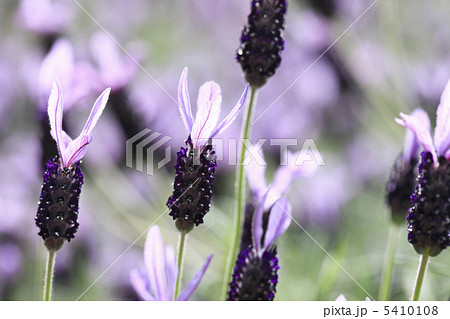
<point x="429" y="215"/>
<point x="261" y="41"/>
<point x="196" y="164"/>
<point x="58" y="204"/>
<point x="283" y="177"/>
<point x="157" y="283"/>
<point x="402" y="179"/>
<point x="45" y="16"/>
<point x="255" y="274"/>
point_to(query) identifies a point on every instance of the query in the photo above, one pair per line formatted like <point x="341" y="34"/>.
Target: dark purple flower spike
<point x="402" y="179"/>
<point x="429" y="215"/>
<point x="196" y="164"/>
<point x="255" y="273"/>
<point x="58" y="204"/>
<point x="261" y="41"/>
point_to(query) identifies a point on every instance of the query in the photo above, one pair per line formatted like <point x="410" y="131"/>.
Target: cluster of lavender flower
<point x="418" y="189"/>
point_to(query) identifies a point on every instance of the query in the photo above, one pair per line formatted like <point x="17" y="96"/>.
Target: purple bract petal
<point x="412" y="145"/>
<point x="258" y="223"/>
<point x="442" y="130"/>
<point x="208" y="111"/>
<point x="139" y="281"/>
<point x="193" y="284"/>
<point x="232" y="115"/>
<point x="96" y="111"/>
<point x="419" y="128"/>
<point x="184" y="102"/>
<point x="171" y="270"/>
<point x="155" y="262"/>
<point x="279" y="221"/>
<point x="55" y="115"/>
<point x="75" y="150"/>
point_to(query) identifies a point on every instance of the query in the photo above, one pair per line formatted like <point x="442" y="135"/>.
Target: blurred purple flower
<point x="11" y="261"/>
<point x="44" y="16"/>
<point x="78" y="78"/>
<point x="402" y="179"/>
<point x="72" y="151"/>
<point x="116" y="68"/>
<point x="157" y="282"/>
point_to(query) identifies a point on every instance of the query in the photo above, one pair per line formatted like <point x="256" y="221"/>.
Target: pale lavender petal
<point x="193" y="284"/>
<point x="184" y="101"/>
<point x="279" y="221"/>
<point x="155" y="263"/>
<point x="232" y="115"/>
<point x="368" y="299"/>
<point x="55" y="115"/>
<point x="75" y="150"/>
<point x="96" y="111"/>
<point x="258" y="223"/>
<point x="412" y="146"/>
<point x="208" y="111"/>
<point x="66" y="139"/>
<point x="281" y="182"/>
<point x="256" y="174"/>
<point x="419" y="128"/>
<point x="286" y="173"/>
<point x="172" y="271"/>
<point x="442" y="131"/>
<point x="115" y="71"/>
<point x="341" y="297"/>
<point x="139" y="281"/>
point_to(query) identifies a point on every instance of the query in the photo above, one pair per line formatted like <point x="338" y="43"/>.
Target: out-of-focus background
<point x="393" y="59"/>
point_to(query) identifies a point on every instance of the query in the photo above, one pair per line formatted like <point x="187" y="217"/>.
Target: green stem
<point x="386" y="278"/>
<point x="180" y="260"/>
<point x="239" y="193"/>
<point x="49" y="276"/>
<point x="420" y="276"/>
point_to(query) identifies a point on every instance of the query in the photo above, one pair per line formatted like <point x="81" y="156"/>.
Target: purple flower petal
<point x="184" y="102"/>
<point x="208" y="111"/>
<point x="341" y="297"/>
<point x="155" y="262"/>
<point x="442" y="130"/>
<point x="232" y="115"/>
<point x="172" y="271"/>
<point x="419" y="128"/>
<point x="139" y="281"/>
<point x="96" y="111"/>
<point x="193" y="284"/>
<point x="258" y="223"/>
<point x="75" y="150"/>
<point x="279" y="221"/>
<point x="411" y="147"/>
<point x="55" y="115"/>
